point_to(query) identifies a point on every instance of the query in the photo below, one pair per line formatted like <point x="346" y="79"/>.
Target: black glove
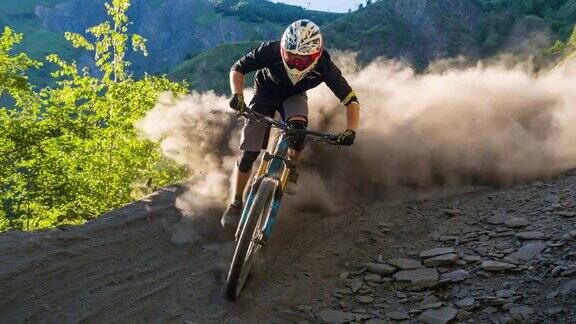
<point x="237" y="103"/>
<point x="347" y="138"/>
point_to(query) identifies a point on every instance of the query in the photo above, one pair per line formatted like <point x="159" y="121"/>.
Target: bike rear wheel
<point x="244" y="255"/>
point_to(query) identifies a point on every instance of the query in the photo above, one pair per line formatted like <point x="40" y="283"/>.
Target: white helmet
<point x="301" y="47"/>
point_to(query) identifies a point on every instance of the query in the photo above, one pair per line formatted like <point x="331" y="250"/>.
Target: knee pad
<point x="246" y="160"/>
<point x="297" y="141"/>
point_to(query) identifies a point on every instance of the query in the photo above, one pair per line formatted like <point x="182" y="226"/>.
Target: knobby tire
<point x="243" y="256"/>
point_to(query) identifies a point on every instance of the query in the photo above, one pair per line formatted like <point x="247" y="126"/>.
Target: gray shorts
<point x="255" y="134"/>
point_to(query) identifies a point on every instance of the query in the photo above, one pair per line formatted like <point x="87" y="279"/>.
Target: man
<point x="285" y="69"/>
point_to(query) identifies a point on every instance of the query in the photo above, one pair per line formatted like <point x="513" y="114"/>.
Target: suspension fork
<point x="276" y="166"/>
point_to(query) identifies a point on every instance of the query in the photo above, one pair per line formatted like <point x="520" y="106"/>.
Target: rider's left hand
<point x="347" y="138"/>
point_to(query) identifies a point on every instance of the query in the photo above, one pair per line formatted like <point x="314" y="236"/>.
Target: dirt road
<point x="133" y="265"/>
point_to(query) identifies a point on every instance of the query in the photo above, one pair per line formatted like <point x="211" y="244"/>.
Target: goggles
<point x="300" y="62"/>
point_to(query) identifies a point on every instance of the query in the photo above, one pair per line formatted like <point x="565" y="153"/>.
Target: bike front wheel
<point x="247" y="243"/>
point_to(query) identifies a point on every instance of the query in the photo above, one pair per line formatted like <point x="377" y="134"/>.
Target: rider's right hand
<point x="237" y="103"/>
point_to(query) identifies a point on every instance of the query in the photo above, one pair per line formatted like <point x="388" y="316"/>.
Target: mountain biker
<point x="285" y="70"/>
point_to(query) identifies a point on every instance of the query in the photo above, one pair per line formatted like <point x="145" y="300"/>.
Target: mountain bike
<point x="263" y="201"/>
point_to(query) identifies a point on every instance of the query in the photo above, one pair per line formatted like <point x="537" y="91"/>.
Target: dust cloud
<point x="452" y="126"/>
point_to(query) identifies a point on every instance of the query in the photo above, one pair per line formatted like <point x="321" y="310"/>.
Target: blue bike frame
<point x="277" y="167"/>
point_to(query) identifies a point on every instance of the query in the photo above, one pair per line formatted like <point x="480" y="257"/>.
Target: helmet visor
<point x="300" y="62"/>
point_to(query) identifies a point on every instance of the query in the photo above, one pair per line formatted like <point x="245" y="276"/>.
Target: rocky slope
<point x="175" y="30"/>
<point x="475" y="255"/>
<point x="416" y="30"/>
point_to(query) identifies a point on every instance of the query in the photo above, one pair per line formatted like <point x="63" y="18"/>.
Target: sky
<point x="325" y="5"/>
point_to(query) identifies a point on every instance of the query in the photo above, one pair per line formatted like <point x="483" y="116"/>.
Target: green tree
<point x="13" y="68"/>
<point x="570" y="47"/>
<point x="562" y="51"/>
<point x="80" y="154"/>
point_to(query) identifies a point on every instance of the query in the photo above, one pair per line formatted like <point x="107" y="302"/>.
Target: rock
<point x="528" y="251"/>
<point x="447" y="238"/>
<point x="432" y="305"/>
<point x="423" y="277"/>
<point x="505" y="293"/>
<point x="554" y="311"/>
<point x="355" y="285"/>
<point x="441" y="260"/>
<point x="498" y="218"/>
<point x="490" y="265"/>
<point x="453" y="212"/>
<point x="334" y="316"/>
<point x="566" y="214"/>
<point x="463" y="315"/>
<point x="365" y="299"/>
<point x="515" y="222"/>
<point x="569" y="287"/>
<point x="494" y="301"/>
<point x="525" y="311"/>
<point x="438" y="316"/>
<point x="436" y="252"/>
<point x="531" y="235"/>
<point x="376" y="321"/>
<point x="344" y="274"/>
<point x="552" y="199"/>
<point x="304" y="308"/>
<point x="372" y="278"/>
<point x="454" y="276"/>
<point x="472" y="258"/>
<point x="466" y="303"/>
<point x="489" y="310"/>
<point x="398" y="315"/>
<point x="406" y="264"/>
<point x="429" y="300"/>
<point x="379" y="268"/>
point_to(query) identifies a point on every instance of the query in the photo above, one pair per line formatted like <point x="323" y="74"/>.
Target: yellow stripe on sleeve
<point x="348" y="97"/>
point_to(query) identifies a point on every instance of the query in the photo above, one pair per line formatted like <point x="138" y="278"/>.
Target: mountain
<point x="420" y="31"/>
<point x="425" y="30"/>
<point x="416" y="30"/>
<point x="175" y="29"/>
<point x="187" y="38"/>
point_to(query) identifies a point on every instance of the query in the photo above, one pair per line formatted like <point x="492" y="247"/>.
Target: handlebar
<point x="315" y="136"/>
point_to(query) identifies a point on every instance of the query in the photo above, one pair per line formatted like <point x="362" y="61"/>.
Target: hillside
<point x="421" y="31"/>
<point x="147" y="262"/>
<point x="176" y="29"/>
<point x="209" y="70"/>
<point x="416" y="30"/>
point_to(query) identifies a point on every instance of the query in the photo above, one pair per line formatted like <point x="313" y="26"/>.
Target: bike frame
<point x="275" y="166"/>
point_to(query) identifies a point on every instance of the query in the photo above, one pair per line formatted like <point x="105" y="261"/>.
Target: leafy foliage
<point x="564" y="51"/>
<point x="70" y="152"/>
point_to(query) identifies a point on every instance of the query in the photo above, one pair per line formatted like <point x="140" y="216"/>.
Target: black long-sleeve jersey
<point x="271" y="78"/>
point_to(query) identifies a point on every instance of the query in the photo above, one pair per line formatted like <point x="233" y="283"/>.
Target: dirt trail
<point x="125" y="266"/>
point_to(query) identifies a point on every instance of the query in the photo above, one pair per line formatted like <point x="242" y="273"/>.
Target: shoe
<point x="292" y="185"/>
<point x="231" y="216"/>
